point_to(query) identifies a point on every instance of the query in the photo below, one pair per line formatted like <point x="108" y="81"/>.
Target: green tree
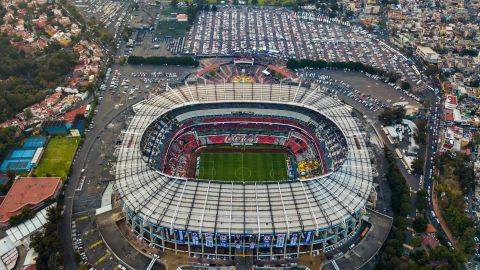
<point x="22" y="5"/>
<point x="46" y="242"/>
<point x="406" y="86"/>
<point x="391" y="116"/>
<point x="421" y="133"/>
<point x="416" y="241"/>
<point x="83" y="267"/>
<point x="417" y="165"/>
<point x="431" y="70"/>
<point x="28" y="113"/>
<point x="422" y="197"/>
<point x="420" y="224"/>
<point x="121" y="60"/>
<point x="25" y="215"/>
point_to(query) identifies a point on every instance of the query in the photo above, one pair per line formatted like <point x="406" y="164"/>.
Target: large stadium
<point x="266" y="170"/>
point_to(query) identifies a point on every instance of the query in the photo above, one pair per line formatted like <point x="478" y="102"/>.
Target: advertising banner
<point x="238" y="241"/>
<point x="293" y="239"/>
<point x="194" y="238"/>
<point x="208" y="240"/>
<point x="280" y="240"/>
<point x="223" y="241"/>
<point x="307" y="237"/>
<point x="266" y="240"/>
<point x="180" y="236"/>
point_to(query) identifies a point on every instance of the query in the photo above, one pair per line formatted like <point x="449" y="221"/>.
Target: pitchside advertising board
<point x="266" y="241"/>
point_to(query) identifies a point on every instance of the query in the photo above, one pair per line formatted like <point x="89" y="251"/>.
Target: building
<point x="427" y="54"/>
<point x="20" y="236"/>
<point x="451" y="102"/>
<point x="182" y="18"/>
<point x="272" y="220"/>
<point x="28" y="192"/>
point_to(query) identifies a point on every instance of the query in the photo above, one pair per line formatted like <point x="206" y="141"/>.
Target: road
<point x="434" y="124"/>
<point x="106" y="115"/>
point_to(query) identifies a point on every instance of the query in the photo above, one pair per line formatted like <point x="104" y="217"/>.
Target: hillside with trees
<point x="456" y="181"/>
<point x="25" y="79"/>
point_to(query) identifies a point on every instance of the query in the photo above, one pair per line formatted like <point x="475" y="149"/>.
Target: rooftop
<point x="28" y="192"/>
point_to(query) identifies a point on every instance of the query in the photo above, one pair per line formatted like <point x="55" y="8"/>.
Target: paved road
<point x="91" y="140"/>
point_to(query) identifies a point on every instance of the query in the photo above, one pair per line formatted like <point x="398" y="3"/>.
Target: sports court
<point x="22" y="159"/>
<point x="249" y="165"/>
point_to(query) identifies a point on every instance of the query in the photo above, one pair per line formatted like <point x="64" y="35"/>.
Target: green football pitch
<point x="243" y="166"/>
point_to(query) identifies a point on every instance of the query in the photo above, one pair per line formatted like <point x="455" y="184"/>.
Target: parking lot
<point x="110" y="13"/>
<point x="284" y="33"/>
<point x="369" y="94"/>
<point x="90" y="247"/>
<point x="125" y="83"/>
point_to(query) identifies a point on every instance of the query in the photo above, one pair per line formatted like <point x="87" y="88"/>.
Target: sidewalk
<point x="118" y="245"/>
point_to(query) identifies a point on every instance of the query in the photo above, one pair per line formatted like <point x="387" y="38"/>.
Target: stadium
<point x="263" y="170"/>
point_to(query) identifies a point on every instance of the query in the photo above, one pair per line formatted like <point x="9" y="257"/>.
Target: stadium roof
<point x="288" y="207"/>
<point x="28" y="192"/>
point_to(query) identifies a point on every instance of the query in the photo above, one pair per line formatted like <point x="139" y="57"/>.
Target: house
<point x="182" y="17"/>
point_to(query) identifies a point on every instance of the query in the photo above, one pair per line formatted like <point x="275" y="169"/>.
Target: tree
<point x="392" y="116"/>
<point x="46" y="241"/>
<point x="416" y="241"/>
<point x="22" y="5"/>
<point x="25" y="215"/>
<point x="417" y="165"/>
<point x="83" y="267"/>
<point x="421" y="134"/>
<point x="121" y="60"/>
<point x="405" y="86"/>
<point x="8" y="139"/>
<point x="469" y="52"/>
<point x="431" y="70"/>
<point x="422" y="197"/>
<point x="400" y="199"/>
<point x="163" y="60"/>
<point x="174" y="3"/>
<point x="28" y="113"/>
<point x="420" y="224"/>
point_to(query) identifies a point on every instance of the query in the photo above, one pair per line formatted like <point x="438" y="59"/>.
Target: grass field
<point x="169" y="11"/>
<point x="58" y="157"/>
<point x="172" y="29"/>
<point x="243" y="166"/>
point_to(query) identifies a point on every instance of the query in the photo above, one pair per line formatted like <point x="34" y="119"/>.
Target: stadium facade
<point x="313" y="211"/>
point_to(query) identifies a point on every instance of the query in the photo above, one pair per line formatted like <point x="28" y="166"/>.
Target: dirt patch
<point x="312" y="262"/>
<point x="173" y="261"/>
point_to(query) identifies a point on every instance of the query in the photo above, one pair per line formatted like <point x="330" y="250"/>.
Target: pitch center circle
<point x="242" y="173"/>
